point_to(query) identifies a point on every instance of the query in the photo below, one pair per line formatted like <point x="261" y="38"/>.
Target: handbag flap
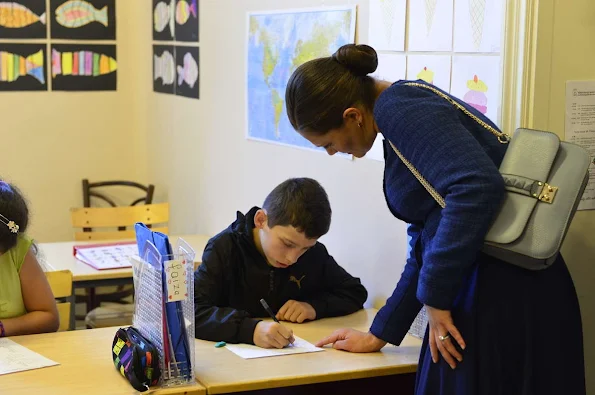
<point x="512" y="219"/>
<point x="530" y="154"/>
<point x="547" y="227"/>
<point x="529" y="158"/>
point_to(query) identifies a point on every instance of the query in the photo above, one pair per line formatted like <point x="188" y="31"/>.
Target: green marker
<point x="220" y="344"/>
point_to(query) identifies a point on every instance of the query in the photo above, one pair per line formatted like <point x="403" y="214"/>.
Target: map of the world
<point x="278" y="42"/>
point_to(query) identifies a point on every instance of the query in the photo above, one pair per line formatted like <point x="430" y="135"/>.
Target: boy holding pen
<point x="272" y="253"/>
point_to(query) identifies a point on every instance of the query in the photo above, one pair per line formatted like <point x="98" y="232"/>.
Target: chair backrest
<point x="61" y="285"/>
<point x="100" y="218"/>
<point x="90" y="190"/>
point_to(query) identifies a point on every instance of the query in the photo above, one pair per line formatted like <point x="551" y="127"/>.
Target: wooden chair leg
<point x="91" y="299"/>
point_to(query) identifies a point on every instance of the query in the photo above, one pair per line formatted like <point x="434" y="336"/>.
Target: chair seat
<point x="110" y="315"/>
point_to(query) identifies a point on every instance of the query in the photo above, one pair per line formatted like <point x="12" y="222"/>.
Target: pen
<point x="268" y="310"/>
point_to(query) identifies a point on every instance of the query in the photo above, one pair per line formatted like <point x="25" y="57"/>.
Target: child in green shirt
<point x="27" y="304"/>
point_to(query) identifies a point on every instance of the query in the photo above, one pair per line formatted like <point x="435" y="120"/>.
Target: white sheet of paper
<point x="387" y="25"/>
<point x="580" y="129"/>
<point x="437" y="69"/>
<point x="487" y="70"/>
<point x="430" y="25"/>
<point x="478" y="25"/>
<point x="391" y="67"/>
<point x="248" y="351"/>
<point x="16" y="358"/>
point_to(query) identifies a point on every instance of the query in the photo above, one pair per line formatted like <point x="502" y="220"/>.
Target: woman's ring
<point x="443" y="338"/>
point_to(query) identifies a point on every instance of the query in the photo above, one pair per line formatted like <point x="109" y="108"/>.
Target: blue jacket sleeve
<point x="394" y="319"/>
<point x="429" y="132"/>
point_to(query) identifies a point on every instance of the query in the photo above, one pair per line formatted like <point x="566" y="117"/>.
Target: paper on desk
<point x="248" y="351"/>
<point x="16" y="358"/>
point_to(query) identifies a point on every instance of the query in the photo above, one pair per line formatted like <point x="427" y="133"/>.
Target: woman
<point x="493" y="328"/>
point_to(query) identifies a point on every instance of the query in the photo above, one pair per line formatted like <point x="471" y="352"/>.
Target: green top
<point x="11" y="298"/>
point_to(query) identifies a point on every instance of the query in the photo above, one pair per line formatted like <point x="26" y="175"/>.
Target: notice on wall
<point x="580" y="129"/>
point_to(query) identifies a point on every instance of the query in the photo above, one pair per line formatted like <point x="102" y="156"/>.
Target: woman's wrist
<point x="375" y="342"/>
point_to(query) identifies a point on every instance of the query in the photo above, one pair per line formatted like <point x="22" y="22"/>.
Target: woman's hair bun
<point x="360" y="59"/>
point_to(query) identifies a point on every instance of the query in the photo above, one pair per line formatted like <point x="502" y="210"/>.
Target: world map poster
<point x="278" y="42"/>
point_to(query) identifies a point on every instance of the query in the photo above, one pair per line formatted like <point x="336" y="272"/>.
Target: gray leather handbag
<point x="544" y="178"/>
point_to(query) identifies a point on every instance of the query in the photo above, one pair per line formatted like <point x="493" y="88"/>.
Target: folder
<point x="177" y="349"/>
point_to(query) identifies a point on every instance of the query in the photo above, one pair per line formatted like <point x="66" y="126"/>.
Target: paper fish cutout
<point x="164" y="68"/>
<point x="183" y="11"/>
<point x="82" y="63"/>
<point x="13" y="66"/>
<point x="188" y="73"/>
<point x="15" y="15"/>
<point x="164" y="16"/>
<point x="77" y="13"/>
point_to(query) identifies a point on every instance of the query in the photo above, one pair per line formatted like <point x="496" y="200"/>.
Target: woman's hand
<point x="353" y="341"/>
<point x="443" y="333"/>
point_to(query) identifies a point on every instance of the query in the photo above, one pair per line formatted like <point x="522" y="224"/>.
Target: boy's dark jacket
<point x="233" y="277"/>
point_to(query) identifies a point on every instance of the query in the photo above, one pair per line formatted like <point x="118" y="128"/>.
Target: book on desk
<point x="107" y="255"/>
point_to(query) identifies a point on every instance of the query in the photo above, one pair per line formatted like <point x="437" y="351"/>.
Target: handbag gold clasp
<point x="548" y="193"/>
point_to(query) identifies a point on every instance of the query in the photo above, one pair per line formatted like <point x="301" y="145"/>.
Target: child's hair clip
<point x="4" y="186"/>
<point x="14" y="228"/>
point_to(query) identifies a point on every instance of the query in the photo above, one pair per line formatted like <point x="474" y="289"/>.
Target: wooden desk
<point x="85" y="368"/>
<point x="58" y="256"/>
<point x="221" y="371"/>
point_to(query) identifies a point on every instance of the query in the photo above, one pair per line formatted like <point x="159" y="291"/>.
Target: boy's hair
<point x="301" y="203"/>
<point x="14" y="207"/>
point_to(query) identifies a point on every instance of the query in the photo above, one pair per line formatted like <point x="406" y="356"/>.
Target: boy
<point x="272" y="253"/>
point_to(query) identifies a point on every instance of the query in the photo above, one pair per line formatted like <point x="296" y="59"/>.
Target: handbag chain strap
<point x="503" y="138"/>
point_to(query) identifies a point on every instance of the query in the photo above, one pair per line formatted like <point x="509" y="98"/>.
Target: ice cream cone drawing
<point x="426" y="75"/>
<point x="388" y="11"/>
<point x="476" y="96"/>
<point x="477" y="10"/>
<point x="430" y="12"/>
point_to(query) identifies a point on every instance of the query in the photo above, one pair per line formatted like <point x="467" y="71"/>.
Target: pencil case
<point x="136" y="358"/>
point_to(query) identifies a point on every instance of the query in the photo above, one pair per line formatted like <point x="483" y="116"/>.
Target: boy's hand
<point x="272" y="335"/>
<point x="294" y="311"/>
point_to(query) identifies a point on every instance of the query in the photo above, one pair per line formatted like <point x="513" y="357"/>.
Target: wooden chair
<point x="114" y="223"/>
<point x="101" y="219"/>
<point x="90" y="190"/>
<point x="61" y="285"/>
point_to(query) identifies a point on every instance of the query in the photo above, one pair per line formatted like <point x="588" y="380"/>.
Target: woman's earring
<point x="359" y="124"/>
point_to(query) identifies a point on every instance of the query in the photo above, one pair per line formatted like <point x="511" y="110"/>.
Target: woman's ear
<point x="260" y="219"/>
<point x="352" y="114"/>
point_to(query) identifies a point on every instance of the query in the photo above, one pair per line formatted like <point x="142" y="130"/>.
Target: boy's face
<point x="282" y="245"/>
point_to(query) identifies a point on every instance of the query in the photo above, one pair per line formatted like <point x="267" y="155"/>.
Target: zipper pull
<point x="271" y="281"/>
